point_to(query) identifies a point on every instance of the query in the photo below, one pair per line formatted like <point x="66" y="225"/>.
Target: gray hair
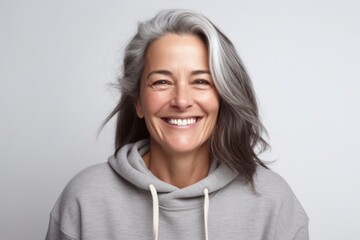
<point x="238" y="131"/>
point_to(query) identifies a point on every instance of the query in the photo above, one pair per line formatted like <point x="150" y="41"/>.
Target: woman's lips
<point x="181" y="121"/>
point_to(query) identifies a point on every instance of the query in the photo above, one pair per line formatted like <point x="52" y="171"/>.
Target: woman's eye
<point x="202" y="81"/>
<point x="160" y="82"/>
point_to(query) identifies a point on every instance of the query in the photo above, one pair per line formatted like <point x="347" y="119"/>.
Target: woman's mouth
<point x="181" y="121"/>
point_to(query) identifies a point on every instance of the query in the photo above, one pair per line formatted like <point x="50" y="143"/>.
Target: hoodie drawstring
<point x="156" y="211"/>
<point x="206" y="212"/>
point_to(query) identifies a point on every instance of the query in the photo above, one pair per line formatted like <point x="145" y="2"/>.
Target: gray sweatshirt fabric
<point x="112" y="201"/>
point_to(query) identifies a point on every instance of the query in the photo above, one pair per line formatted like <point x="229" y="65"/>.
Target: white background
<point x="58" y="57"/>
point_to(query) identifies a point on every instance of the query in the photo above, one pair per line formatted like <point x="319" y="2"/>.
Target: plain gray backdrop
<point x="57" y="58"/>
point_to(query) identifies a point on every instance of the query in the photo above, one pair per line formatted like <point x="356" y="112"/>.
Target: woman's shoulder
<point x="91" y="176"/>
<point x="286" y="208"/>
<point x="271" y="185"/>
<point x="89" y="182"/>
<point x="267" y="181"/>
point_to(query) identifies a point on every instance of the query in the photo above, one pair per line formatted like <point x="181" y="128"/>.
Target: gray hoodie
<point x="122" y="199"/>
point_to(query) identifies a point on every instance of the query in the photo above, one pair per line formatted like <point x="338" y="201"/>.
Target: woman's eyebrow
<point x="168" y="73"/>
<point x="163" y="72"/>
<point x="197" y="72"/>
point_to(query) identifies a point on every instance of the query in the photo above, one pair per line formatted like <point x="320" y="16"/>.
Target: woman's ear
<point x="138" y="108"/>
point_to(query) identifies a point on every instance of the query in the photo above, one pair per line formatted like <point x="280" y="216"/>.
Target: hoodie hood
<point x="129" y="164"/>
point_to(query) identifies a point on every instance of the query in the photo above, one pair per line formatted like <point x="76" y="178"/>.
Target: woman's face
<point x="178" y="98"/>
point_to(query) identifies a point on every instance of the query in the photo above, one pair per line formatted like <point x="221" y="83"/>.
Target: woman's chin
<point x="182" y="145"/>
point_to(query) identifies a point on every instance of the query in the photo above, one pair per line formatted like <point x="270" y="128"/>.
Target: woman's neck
<point x="180" y="170"/>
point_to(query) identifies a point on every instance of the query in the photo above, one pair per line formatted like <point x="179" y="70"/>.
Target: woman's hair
<point x="238" y="132"/>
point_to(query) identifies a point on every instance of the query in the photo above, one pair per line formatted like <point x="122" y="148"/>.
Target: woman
<point x="185" y="165"/>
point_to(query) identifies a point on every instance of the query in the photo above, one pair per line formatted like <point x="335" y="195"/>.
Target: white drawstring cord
<point x="206" y="211"/>
<point x="155" y="211"/>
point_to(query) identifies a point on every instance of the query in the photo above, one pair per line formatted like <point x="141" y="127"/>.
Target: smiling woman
<point x="187" y="129"/>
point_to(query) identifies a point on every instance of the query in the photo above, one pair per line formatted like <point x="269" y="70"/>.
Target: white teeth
<point x="182" y="122"/>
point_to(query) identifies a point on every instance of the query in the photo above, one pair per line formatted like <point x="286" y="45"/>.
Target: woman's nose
<point x="182" y="98"/>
